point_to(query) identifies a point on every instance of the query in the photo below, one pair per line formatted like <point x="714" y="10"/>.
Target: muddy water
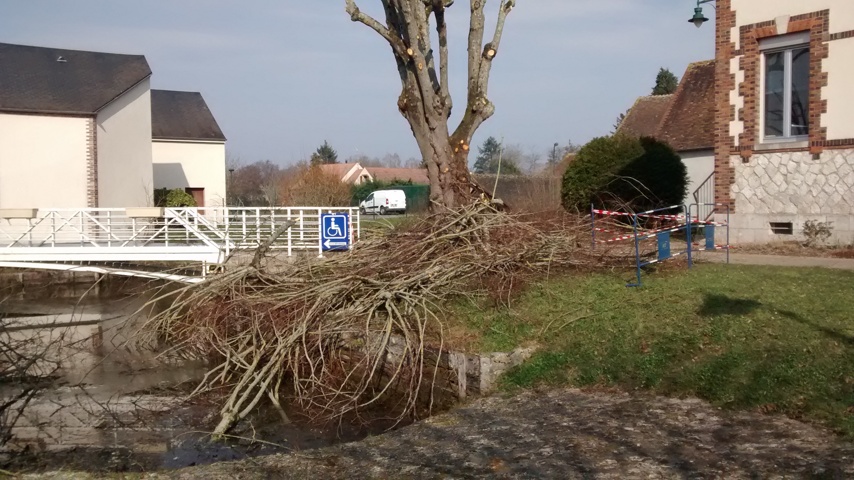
<point x="118" y="403"/>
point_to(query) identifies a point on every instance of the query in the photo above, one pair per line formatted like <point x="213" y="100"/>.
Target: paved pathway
<point x="567" y="434"/>
<point x="779" y="260"/>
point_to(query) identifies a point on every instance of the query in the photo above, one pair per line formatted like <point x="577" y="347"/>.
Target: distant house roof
<point x="52" y="80"/>
<point x="182" y="116"/>
<point x="690" y="121"/>
<point x="685" y="119"/>
<point x="645" y="116"/>
<point x="346" y="172"/>
<point x="414" y="175"/>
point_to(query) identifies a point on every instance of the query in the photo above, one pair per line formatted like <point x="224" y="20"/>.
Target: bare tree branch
<point x="358" y="16"/>
<point x="442" y="29"/>
<point x="491" y="48"/>
<point x="479" y="108"/>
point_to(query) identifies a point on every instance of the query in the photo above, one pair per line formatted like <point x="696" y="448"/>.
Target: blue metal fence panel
<point x="663" y="246"/>
<point x="710" y="237"/>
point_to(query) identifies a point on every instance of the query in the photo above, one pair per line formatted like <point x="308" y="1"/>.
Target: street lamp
<point x="699" y="19"/>
<point x="554" y="153"/>
<point x="229" y="191"/>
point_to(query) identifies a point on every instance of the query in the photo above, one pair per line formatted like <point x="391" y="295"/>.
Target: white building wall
<point x="43" y="161"/>
<point x="749" y="12"/>
<point x="793" y="187"/>
<point x="125" y="177"/>
<point x="839" y="92"/>
<point x="191" y="164"/>
<point x="700" y="165"/>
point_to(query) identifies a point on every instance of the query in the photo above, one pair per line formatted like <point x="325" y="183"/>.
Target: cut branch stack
<point x="348" y="331"/>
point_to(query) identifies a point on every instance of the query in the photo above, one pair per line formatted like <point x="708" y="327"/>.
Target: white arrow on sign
<point x="329" y="243"/>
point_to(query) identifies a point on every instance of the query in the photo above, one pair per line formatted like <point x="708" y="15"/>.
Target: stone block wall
<point x="792" y="187"/>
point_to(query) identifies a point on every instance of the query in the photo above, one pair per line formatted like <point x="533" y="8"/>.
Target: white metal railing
<point x="248" y="227"/>
<point x="704" y="197"/>
<point x="118" y="234"/>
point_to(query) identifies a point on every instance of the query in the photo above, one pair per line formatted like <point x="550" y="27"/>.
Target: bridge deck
<point x="59" y="238"/>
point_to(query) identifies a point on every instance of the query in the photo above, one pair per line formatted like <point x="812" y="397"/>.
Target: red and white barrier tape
<point x="645" y="215"/>
<point x="643" y="235"/>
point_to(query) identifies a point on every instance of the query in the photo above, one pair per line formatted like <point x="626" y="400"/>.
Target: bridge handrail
<point x="222" y="228"/>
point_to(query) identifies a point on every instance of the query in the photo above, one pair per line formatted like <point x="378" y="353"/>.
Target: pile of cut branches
<point x="345" y="332"/>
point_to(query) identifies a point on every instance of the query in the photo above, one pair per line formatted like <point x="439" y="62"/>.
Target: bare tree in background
<point x="425" y="99"/>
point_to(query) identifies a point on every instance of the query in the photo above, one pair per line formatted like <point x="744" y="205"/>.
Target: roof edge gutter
<point x="124" y="92"/>
<point x="188" y="140"/>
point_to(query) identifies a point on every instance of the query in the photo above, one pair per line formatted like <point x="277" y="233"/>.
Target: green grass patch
<point x="769" y="338"/>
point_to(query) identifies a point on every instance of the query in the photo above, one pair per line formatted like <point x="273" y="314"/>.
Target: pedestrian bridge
<point x="103" y="240"/>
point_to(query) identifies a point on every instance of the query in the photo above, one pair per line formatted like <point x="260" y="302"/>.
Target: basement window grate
<point x="782" y="228"/>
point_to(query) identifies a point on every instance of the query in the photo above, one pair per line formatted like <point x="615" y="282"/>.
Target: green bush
<point x="176" y="197"/>
<point x="624" y="172"/>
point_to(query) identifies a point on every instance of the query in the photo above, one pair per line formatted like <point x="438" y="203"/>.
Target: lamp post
<point x="230" y="190"/>
<point x="699" y="19"/>
<point x="554" y="153"/>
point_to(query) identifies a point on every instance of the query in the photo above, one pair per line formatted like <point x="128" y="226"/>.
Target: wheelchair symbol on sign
<point x="333" y="230"/>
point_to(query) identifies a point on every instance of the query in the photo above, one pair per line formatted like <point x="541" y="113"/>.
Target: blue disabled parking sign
<point x="335" y="231"/>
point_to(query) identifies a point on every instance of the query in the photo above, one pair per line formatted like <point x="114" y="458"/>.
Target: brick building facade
<point x="784" y="116"/>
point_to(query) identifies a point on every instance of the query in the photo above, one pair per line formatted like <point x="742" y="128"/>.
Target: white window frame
<point x="782" y="43"/>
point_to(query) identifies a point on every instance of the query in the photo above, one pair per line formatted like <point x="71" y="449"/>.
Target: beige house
<point x="75" y="129"/>
<point x="356" y="174"/>
<point x="188" y="147"/>
<point x="784" y="135"/>
<point x="350" y="173"/>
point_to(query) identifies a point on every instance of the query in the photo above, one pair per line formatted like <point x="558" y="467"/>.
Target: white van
<point x="384" y="201"/>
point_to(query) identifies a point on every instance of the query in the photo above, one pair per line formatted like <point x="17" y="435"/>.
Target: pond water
<point x="118" y="404"/>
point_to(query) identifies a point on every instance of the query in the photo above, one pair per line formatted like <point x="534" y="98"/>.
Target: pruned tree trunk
<point x="425" y="99"/>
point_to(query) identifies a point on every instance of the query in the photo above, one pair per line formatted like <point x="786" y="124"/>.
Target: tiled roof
<point x="182" y="116"/>
<point x="685" y="119"/>
<point x="52" y="80"/>
<point x="645" y="116"/>
<point x="690" y="122"/>
<point x="415" y="175"/>
<point x="338" y="170"/>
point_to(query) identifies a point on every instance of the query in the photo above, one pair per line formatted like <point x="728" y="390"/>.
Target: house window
<point x="786" y="79"/>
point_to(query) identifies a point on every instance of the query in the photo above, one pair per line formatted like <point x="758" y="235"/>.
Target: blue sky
<point x="283" y="75"/>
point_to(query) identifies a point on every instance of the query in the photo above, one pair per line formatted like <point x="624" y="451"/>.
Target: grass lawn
<point x="766" y="338"/>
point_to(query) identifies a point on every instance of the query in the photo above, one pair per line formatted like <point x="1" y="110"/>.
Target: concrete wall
<point x="793" y="187"/>
<point x="191" y="164"/>
<point x="700" y="165"/>
<point x="125" y="177"/>
<point x="43" y="161"/>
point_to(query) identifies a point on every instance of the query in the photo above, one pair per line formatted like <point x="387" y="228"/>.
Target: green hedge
<point x="622" y="172"/>
<point x="417" y="196"/>
<point x="176" y="197"/>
